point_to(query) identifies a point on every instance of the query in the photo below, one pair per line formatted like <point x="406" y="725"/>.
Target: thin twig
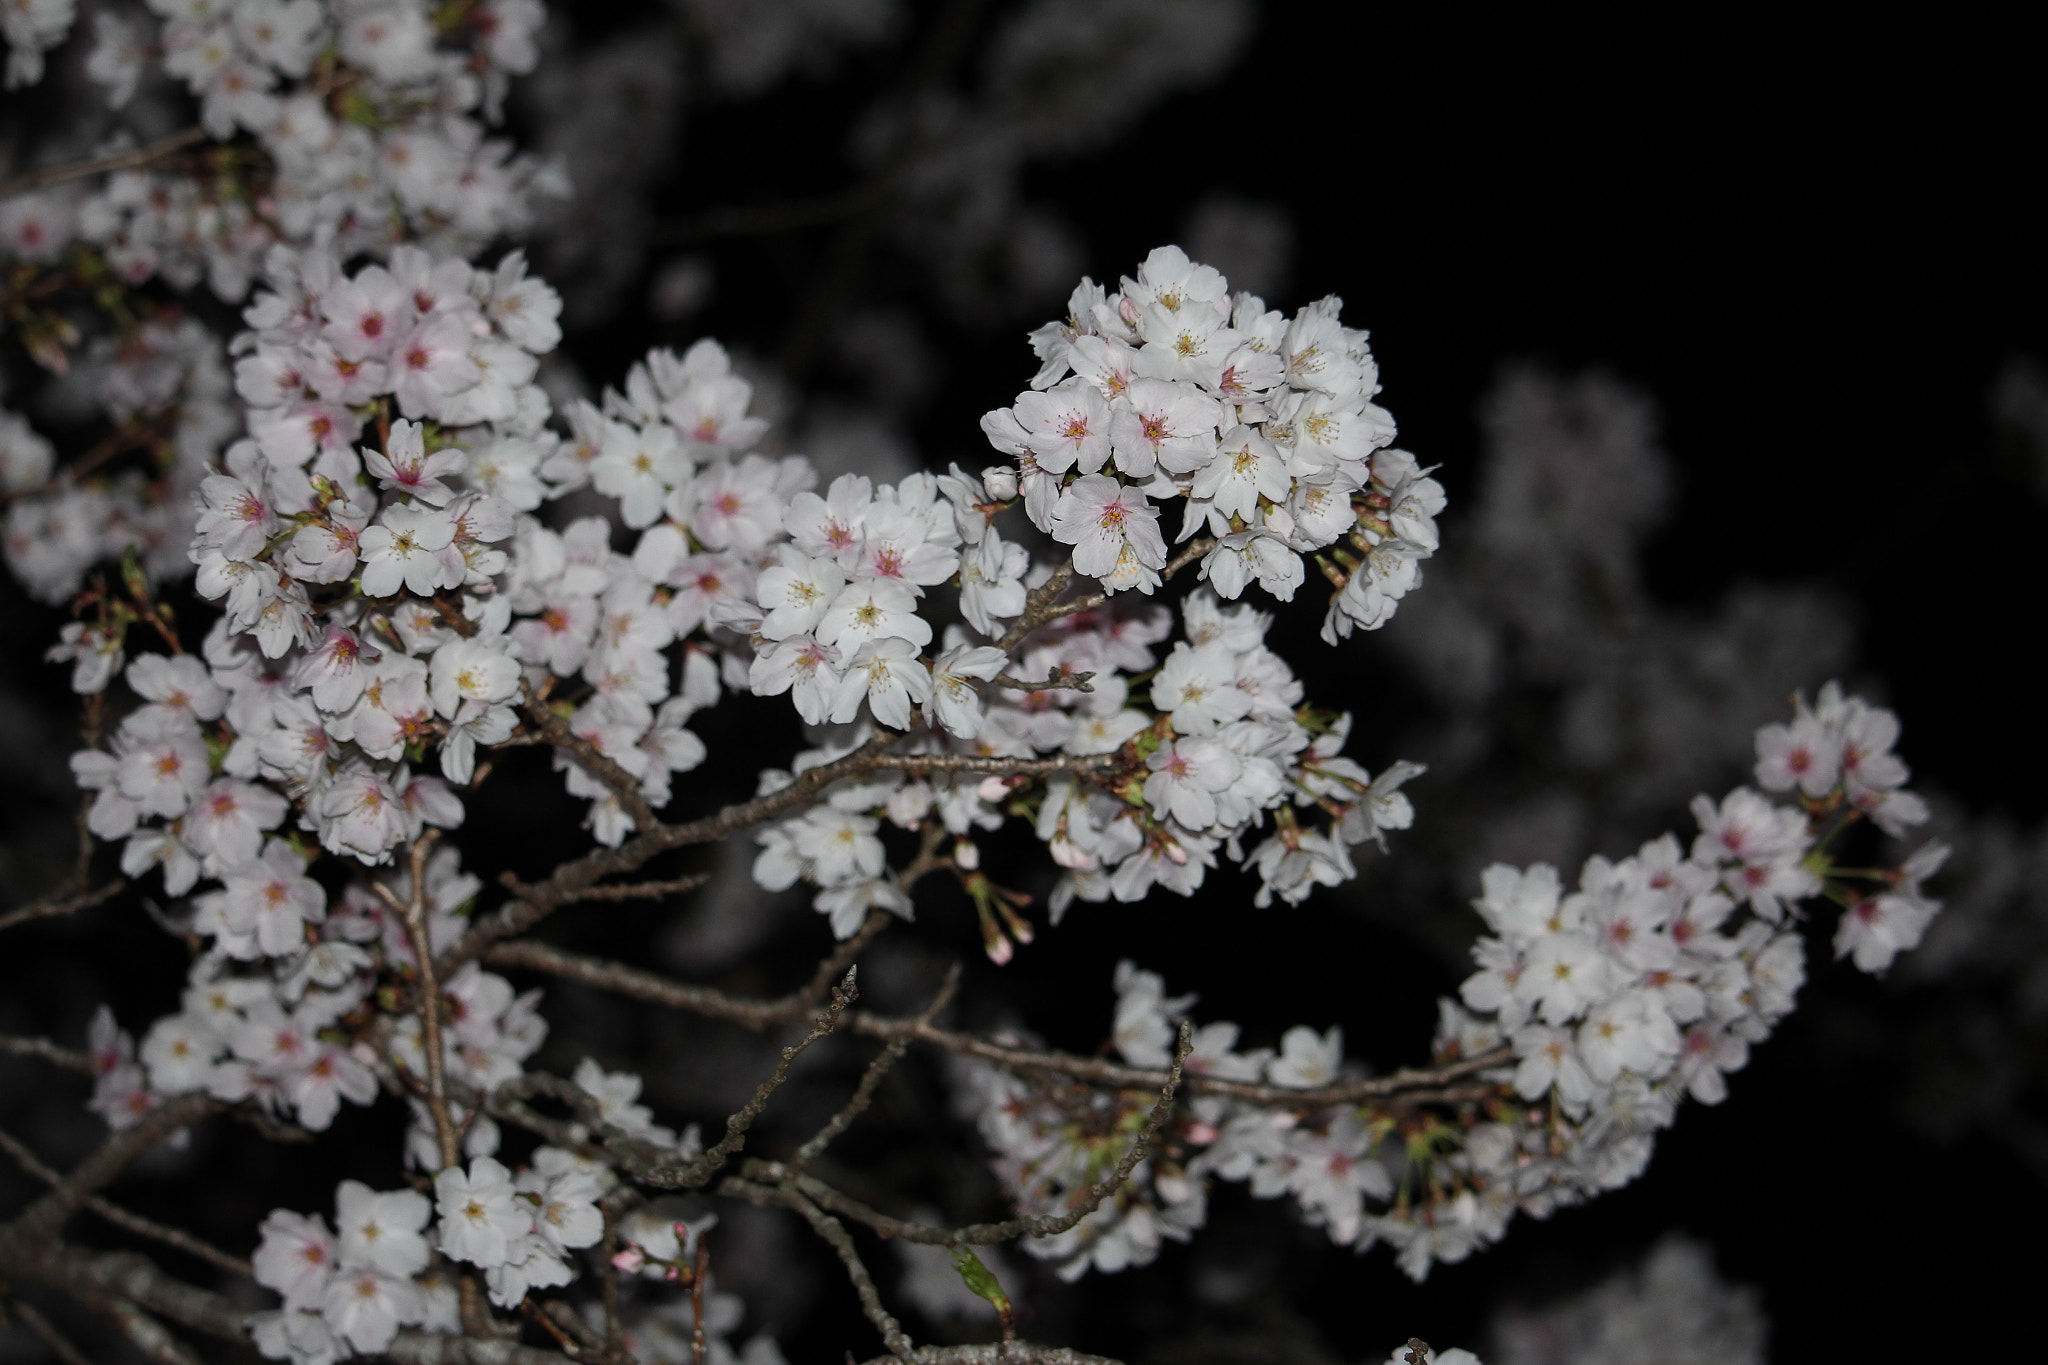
<point x="65" y="1057"/>
<point x="122" y="1218"/>
<point x="701" y="1169"/>
<point x="625" y="787"/>
<point x="1409" y="1085"/>
<point x="841" y="1241"/>
<point x="1040" y="609"/>
<point x="997" y="1353"/>
<point x="133" y="159"/>
<point x="45" y="1216"/>
<point x="987" y="1234"/>
<point x="639" y="891"/>
<point x="700" y="1271"/>
<point x="46" y="1332"/>
<point x="148" y="1335"/>
<point x="63" y="902"/>
<point x="539" y="901"/>
<point x="1056" y="682"/>
<point x="997" y="764"/>
<point x="413" y="911"/>
<point x="864" y="1093"/>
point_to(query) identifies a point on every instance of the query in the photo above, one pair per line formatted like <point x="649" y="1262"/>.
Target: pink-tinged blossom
<point x="794" y="593"/>
<point x="271" y="899"/>
<point x="366" y="1308"/>
<point x="226" y="821"/>
<point x="802" y="667"/>
<point x="737" y="507"/>
<point x="177" y="683"/>
<point x="162" y="763"/>
<point x="480" y="1213"/>
<point x="404" y="466"/>
<point x="638" y="466"/>
<point x="1186" y="777"/>
<point x="382" y="1231"/>
<point x="431" y="365"/>
<point x="408" y="548"/>
<point x="873" y="609"/>
<point x="831" y="527"/>
<point x="297" y="1257"/>
<point x="1164" y="425"/>
<point x="1100" y="517"/>
<point x="335" y="670"/>
<point x="1066" y="427"/>
<point x="889" y="677"/>
<point x="233" y="517"/>
<point x="326" y="551"/>
<point x="360" y="815"/>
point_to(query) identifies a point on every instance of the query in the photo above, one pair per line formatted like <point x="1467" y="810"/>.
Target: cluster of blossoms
<point x="367" y="119"/>
<point x="1266" y="425"/>
<point x="350" y="1294"/>
<point x="351" y="127"/>
<point x="1605" y="1006"/>
<point x="318" y="693"/>
<point x="167" y="390"/>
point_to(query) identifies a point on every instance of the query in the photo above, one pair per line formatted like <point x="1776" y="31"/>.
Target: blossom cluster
<point x="348" y="1289"/>
<point x="368" y="121"/>
<point x="1266" y="425"/>
<point x="1606" y="1005"/>
<point x="166" y="388"/>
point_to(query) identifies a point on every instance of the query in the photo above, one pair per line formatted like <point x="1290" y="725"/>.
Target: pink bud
<point x="629" y="1259"/>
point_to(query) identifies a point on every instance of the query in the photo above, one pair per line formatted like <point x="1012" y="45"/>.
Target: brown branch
<point x="624" y="786"/>
<point x="700" y="1271"/>
<point x="841" y="1241"/>
<point x="1409" y="1085"/>
<point x="133" y="159"/>
<point x="63" y="901"/>
<point x="639" y="891"/>
<point x="997" y="764"/>
<point x="542" y="899"/>
<point x="987" y="1234"/>
<point x="50" y="1052"/>
<point x="46" y="1332"/>
<point x="997" y="1353"/>
<point x="122" y="1218"/>
<point x="696" y="1172"/>
<point x="44" y="1217"/>
<point x="148" y="1335"/>
<point x="1041" y="610"/>
<point x="1057" y="682"/>
<point x="413" y="911"/>
<point x="864" y="1093"/>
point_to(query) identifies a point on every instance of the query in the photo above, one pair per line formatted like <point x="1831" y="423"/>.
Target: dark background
<point x="1815" y="245"/>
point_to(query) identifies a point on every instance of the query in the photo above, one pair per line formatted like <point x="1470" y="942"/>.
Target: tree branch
<point x="864" y="1093"/>
<point x="64" y="901"/>
<point x="122" y="1218"/>
<point x="841" y="1241"/>
<point x="51" y="1052"/>
<point x="133" y="159"/>
<point x="1410" y="1085"/>
<point x="44" y="1217"/>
